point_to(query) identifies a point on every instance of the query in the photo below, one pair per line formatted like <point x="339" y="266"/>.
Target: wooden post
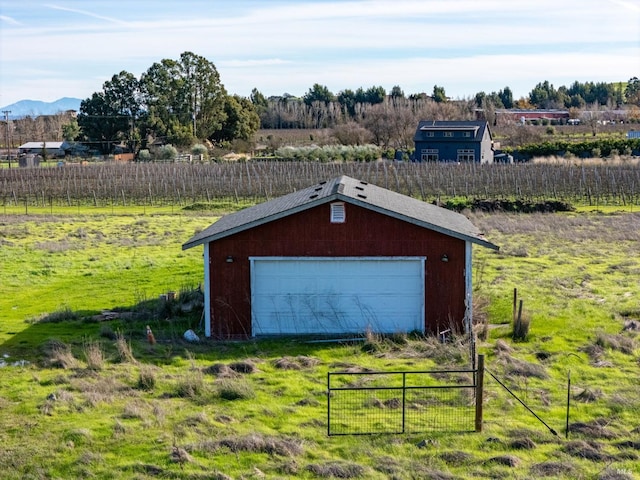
<point x="515" y="301"/>
<point x="519" y="319"/>
<point x="479" y="392"/>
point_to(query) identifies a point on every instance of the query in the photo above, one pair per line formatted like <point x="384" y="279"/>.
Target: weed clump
<point x="146" y="379"/>
<point x="615" y="474"/>
<point x="592" y="430"/>
<point x="506" y="460"/>
<point x="230" y="389"/>
<point x="295" y="363"/>
<point x="124" y="349"/>
<point x="552" y="469"/>
<point x="191" y="385"/>
<point x="60" y="355"/>
<point x="337" y="469"/>
<point x="617" y="342"/>
<point x="94" y="356"/>
<point x="588" y="396"/>
<point x="245" y="366"/>
<point x="253" y="443"/>
<point x="220" y="370"/>
<point x="522" y="368"/>
<point x="64" y="314"/>
<point x="521" y="327"/>
<point x="457" y="457"/>
<point x="587" y="450"/>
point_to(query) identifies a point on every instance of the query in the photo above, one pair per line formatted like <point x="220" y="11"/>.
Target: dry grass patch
<point x="59" y="354"/>
<point x="588" y="396"/>
<point x="125" y="353"/>
<point x="552" y="469"/>
<point x="94" y="356"/>
<point x="505" y="460"/>
<point x="253" y="443"/>
<point x="594" y="429"/>
<point x="618" y="342"/>
<point x="295" y="363"/>
<point x="522" y="368"/>
<point x="234" y="389"/>
<point x="146" y="378"/>
<point x="524" y="443"/>
<point x="615" y="474"/>
<point x="587" y="450"/>
<point x="457" y="457"/>
<point x="336" y="469"/>
<point x="220" y="370"/>
<point x="191" y="385"/>
<point x="98" y="389"/>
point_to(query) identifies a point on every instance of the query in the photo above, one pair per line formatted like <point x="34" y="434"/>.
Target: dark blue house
<point x="453" y="141"/>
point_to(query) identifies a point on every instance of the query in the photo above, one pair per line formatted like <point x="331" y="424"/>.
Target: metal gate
<point x="360" y="403"/>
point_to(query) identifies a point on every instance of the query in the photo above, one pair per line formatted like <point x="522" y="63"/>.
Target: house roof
<point x="477" y="127"/>
<point x="351" y="191"/>
<point x="41" y="145"/>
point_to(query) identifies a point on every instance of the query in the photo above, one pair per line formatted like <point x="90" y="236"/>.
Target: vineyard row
<point x="185" y="184"/>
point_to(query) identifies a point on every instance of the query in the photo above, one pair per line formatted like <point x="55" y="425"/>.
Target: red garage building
<point x="342" y="256"/>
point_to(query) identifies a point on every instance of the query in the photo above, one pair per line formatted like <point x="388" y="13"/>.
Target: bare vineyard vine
<point x="183" y="184"/>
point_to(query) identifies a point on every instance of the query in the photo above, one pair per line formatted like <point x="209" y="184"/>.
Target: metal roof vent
<point x="338" y="212"/>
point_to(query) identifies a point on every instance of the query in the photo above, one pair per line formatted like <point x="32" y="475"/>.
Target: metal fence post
<point x="329" y="403"/>
<point x="404" y="397"/>
<point x="479" y="392"/>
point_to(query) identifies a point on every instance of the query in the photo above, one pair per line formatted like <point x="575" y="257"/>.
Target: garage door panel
<point x="337" y="295"/>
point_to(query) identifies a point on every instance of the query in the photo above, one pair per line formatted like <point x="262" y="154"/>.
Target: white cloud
<point x="86" y="13"/>
<point x="9" y="20"/>
<point x="287" y="46"/>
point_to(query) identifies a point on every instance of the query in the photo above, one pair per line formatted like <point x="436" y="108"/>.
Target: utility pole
<point x="6" y="120"/>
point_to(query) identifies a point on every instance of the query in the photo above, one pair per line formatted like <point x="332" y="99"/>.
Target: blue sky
<point x="69" y="48"/>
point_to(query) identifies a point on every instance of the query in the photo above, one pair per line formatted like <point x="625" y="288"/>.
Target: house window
<point x="338" y="213"/>
<point x="448" y="134"/>
<point x="466" y="155"/>
<point x="429" y="155"/>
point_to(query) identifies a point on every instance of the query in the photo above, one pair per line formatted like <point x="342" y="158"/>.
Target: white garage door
<point x="336" y="295"/>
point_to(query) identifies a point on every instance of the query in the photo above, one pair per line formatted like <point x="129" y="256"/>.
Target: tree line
<point x="183" y="102"/>
<point x="178" y="102"/>
<point x="321" y="108"/>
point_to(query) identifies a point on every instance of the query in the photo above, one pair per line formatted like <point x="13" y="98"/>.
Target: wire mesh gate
<point x="361" y="403"/>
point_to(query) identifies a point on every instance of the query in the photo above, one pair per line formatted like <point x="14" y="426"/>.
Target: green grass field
<point x="85" y="397"/>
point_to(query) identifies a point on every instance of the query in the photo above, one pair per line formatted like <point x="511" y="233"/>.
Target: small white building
<point x="52" y="149"/>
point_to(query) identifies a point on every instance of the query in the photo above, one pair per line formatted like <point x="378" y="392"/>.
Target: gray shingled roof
<point x="351" y="191"/>
<point x="477" y="126"/>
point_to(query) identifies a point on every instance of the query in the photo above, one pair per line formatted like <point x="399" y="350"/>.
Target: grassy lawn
<point x="82" y="396"/>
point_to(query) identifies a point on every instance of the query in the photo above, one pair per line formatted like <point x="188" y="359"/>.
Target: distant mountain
<point x="35" y="108"/>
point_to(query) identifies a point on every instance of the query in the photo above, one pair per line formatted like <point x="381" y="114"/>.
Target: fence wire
<point x="400" y="402"/>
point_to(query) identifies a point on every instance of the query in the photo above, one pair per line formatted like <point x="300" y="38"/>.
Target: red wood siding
<point x="310" y="233"/>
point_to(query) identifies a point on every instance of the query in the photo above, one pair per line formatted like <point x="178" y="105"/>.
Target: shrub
<point x="167" y="152"/>
<point x="200" y="149"/>
<point x="144" y="155"/>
